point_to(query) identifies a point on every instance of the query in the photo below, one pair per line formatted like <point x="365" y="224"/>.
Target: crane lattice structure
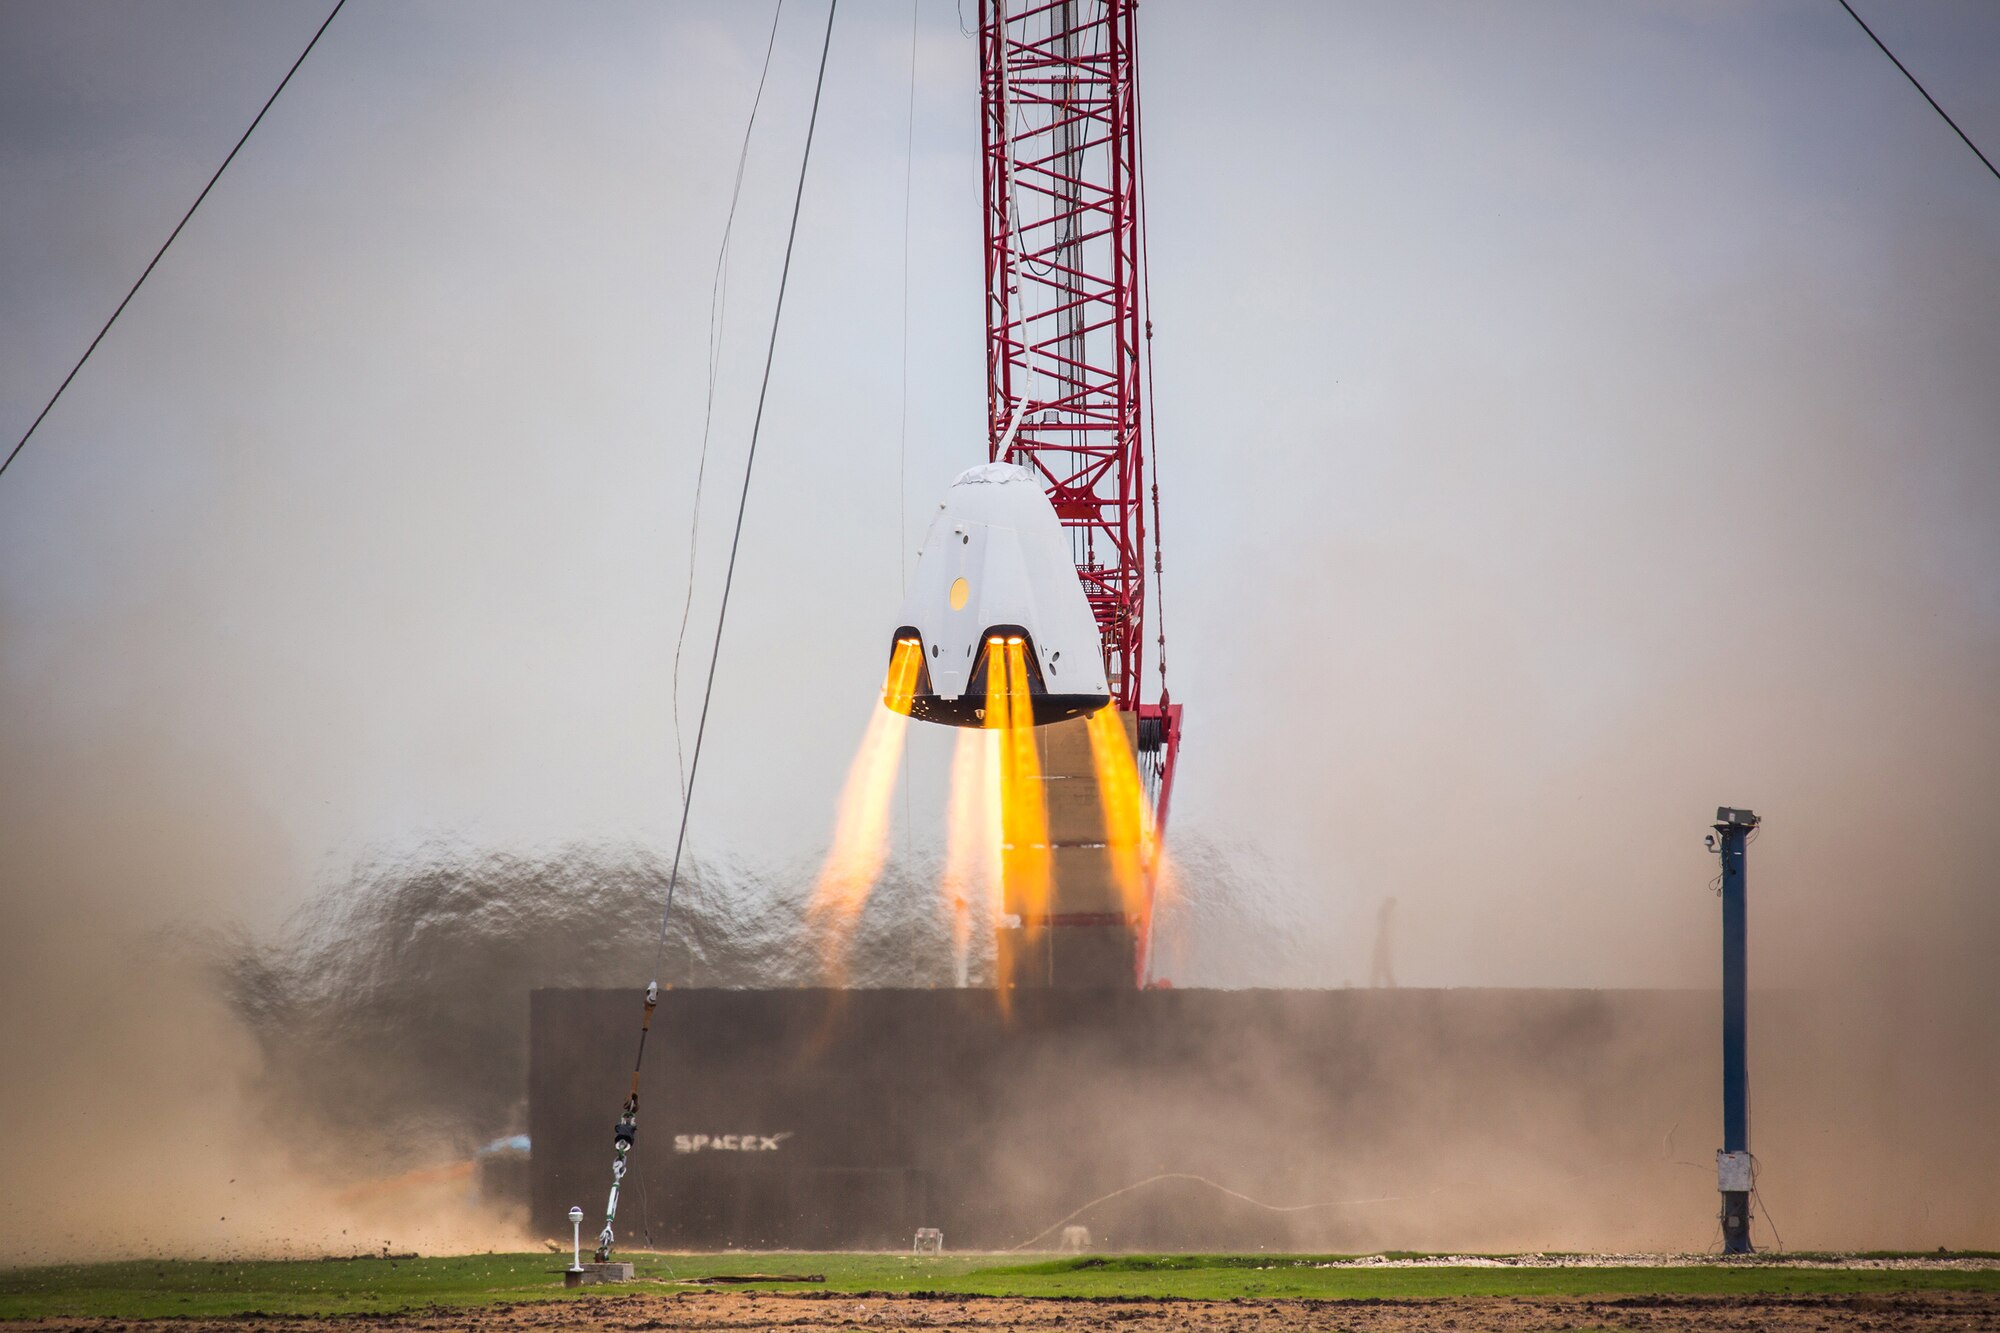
<point x="1064" y="297"/>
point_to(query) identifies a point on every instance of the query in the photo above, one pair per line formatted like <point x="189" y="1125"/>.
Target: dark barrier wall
<point x="847" y="1119"/>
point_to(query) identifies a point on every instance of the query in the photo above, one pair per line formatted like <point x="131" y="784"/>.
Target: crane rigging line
<point x="743" y="498"/>
<point x="1152" y="396"/>
<point x="718" y="318"/>
<point x="628" y="1120"/>
<point x="903" y="412"/>
<point x="1945" y="116"/>
<point x="33" y="426"/>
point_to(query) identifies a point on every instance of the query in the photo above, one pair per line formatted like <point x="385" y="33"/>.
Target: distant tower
<point x="1382" y="967"/>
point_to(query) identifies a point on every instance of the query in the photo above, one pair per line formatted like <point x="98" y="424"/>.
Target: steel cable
<point x="718" y="323"/>
<point x="1920" y="88"/>
<point x="742" y="503"/>
<point x="171" y="236"/>
<point x="628" y="1121"/>
<point x="903" y="411"/>
<point x="1204" y="1180"/>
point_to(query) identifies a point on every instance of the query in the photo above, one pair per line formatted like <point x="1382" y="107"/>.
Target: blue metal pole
<point x="1735" y="977"/>
<point x="1733" y="1166"/>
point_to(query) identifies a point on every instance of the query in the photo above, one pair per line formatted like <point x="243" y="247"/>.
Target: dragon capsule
<point x="995" y="566"/>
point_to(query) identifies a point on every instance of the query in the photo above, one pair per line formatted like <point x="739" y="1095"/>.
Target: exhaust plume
<point x="969" y="888"/>
<point x="861" y="828"/>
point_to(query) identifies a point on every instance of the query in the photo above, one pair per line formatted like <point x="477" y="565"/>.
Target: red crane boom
<point x="1060" y="124"/>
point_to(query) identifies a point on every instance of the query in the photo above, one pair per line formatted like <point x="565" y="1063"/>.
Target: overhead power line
<point x="15" y="452"/>
<point x="1945" y="116"/>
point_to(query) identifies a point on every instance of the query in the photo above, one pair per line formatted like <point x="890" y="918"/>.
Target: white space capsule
<point x="995" y="563"/>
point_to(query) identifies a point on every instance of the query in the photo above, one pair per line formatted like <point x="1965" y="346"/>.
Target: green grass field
<point x="151" y="1288"/>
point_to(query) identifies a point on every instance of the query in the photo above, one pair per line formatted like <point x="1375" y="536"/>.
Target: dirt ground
<point x="720" y="1312"/>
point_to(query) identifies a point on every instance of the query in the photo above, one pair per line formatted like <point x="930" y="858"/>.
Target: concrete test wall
<point x="847" y="1119"/>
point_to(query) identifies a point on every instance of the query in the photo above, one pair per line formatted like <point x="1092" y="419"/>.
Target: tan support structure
<point x="1088" y="940"/>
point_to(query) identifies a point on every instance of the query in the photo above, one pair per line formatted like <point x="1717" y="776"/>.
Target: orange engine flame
<point x="1127" y="819"/>
<point x="899" y="692"/>
<point x="1024" y="818"/>
<point x="861" y="830"/>
<point x="970" y="886"/>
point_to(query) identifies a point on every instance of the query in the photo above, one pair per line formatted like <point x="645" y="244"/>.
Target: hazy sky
<point x="1573" y="416"/>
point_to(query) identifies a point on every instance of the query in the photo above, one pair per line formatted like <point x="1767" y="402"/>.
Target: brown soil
<point x="717" y="1312"/>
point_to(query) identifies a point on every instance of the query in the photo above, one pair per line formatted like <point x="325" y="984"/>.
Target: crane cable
<point x="1920" y="88"/>
<point x="1152" y="395"/>
<point x="903" y="399"/>
<point x="718" y="324"/>
<point x="627" y="1127"/>
<point x="160" y="254"/>
<point x="1157" y="769"/>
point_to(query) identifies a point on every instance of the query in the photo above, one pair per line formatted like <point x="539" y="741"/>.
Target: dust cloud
<point x="187" y="1082"/>
<point x="139" y="1113"/>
